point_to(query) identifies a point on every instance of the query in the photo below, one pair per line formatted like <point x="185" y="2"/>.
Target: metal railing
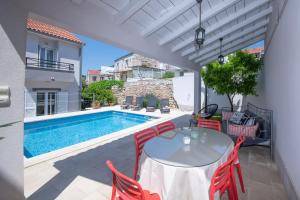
<point x="49" y="64"/>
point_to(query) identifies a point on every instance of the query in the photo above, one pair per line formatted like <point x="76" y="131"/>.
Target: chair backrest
<point x="151" y="101"/>
<point x="165" y="126"/>
<point x="128" y="100"/>
<point x="221" y="180"/>
<point x="123" y="186"/>
<point x="210" y="109"/>
<point x="211" y="124"/>
<point x="164" y="103"/>
<point x="140" y="138"/>
<point x="139" y="101"/>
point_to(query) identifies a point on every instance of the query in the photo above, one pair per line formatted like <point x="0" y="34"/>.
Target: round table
<point x="176" y="170"/>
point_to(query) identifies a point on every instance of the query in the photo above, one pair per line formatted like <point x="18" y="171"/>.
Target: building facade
<point x="53" y="70"/>
<point x="132" y="67"/>
<point x="258" y="52"/>
<point x="104" y="73"/>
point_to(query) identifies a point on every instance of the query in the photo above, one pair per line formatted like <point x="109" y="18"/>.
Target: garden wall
<point x="160" y="88"/>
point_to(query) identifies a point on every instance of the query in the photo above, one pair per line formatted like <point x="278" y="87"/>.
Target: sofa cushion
<point x="237" y="117"/>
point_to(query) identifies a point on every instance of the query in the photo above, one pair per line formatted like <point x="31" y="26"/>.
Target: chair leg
<point x="233" y="184"/>
<point x="239" y="170"/>
<point x="135" y="169"/>
<point x="231" y="194"/>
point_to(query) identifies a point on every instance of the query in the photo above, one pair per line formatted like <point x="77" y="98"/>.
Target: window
<point x="94" y="78"/>
<point x="47" y="57"/>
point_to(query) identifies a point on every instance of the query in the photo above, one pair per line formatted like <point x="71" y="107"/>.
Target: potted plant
<point x="96" y="104"/>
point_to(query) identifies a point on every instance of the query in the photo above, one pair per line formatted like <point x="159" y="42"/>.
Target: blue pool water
<point x="49" y="135"/>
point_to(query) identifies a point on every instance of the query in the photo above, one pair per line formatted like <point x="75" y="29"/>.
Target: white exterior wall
<point x="70" y="53"/>
<point x="12" y="72"/>
<point x="183" y="90"/>
<point x="221" y="100"/>
<point x="281" y="89"/>
<point x="183" y="87"/>
<point x="68" y="82"/>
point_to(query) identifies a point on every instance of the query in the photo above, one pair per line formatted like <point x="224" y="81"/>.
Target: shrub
<point x="102" y="91"/>
<point x="168" y="75"/>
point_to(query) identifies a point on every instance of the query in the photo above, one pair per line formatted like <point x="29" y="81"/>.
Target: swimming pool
<point x="48" y="135"/>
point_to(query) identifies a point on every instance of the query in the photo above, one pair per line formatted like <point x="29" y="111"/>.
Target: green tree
<point x="102" y="91"/>
<point x="237" y="76"/>
<point x="83" y="83"/>
<point x="168" y="75"/>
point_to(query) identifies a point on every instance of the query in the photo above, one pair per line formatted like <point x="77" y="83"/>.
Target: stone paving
<point x="84" y="175"/>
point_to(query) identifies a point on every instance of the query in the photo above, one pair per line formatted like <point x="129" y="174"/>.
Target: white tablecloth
<point x="178" y="183"/>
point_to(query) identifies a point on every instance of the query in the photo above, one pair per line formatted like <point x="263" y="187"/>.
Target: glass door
<point x="40" y="104"/>
<point x="52" y="97"/>
<point x="46" y="103"/>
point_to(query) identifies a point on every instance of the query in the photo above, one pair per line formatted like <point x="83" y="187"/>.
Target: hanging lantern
<point x="221" y="58"/>
<point x="199" y="36"/>
<point x="200" y="31"/>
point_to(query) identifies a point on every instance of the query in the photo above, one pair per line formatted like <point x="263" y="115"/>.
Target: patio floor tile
<point x="84" y="175"/>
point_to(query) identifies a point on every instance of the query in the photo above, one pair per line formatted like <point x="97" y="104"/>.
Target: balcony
<point x="49" y="65"/>
<point x="49" y="71"/>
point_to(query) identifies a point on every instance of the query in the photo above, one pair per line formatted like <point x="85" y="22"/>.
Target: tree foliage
<point x="168" y="75"/>
<point x="237" y="76"/>
<point x="102" y="91"/>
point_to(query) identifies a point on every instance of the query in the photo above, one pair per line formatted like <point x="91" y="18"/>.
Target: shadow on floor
<point x="91" y="165"/>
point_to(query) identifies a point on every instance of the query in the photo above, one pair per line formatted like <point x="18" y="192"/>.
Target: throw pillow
<point x="237" y="117"/>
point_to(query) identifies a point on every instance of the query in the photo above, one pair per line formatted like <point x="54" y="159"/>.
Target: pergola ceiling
<point x="172" y="23"/>
<point x="163" y="29"/>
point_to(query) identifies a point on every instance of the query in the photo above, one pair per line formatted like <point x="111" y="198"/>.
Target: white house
<point x="104" y="73"/>
<point x="53" y="70"/>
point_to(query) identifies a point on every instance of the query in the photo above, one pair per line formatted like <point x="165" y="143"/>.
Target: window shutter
<point x="62" y="102"/>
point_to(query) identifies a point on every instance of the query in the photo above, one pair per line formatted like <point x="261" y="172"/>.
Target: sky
<point x="96" y="54"/>
<point x="258" y="44"/>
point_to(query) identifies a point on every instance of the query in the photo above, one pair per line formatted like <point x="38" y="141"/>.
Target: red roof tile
<point x="254" y="50"/>
<point x="93" y="72"/>
<point x="51" y="30"/>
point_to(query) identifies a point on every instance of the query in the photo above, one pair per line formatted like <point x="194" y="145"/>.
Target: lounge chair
<point x="151" y="104"/>
<point x="164" y="106"/>
<point x="138" y="104"/>
<point x="127" y="103"/>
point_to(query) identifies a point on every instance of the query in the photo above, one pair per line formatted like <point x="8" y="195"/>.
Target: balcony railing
<point x="49" y="65"/>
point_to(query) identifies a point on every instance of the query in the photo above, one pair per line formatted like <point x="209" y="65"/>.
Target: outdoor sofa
<point x="255" y="122"/>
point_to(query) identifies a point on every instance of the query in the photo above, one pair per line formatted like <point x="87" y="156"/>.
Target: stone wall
<point x="160" y="88"/>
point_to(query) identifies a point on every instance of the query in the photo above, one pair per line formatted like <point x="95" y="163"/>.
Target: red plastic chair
<point x="140" y="138"/>
<point x="211" y="124"/>
<point x="222" y="181"/>
<point x="125" y="188"/>
<point x="165" y="126"/>
<point x="236" y="164"/>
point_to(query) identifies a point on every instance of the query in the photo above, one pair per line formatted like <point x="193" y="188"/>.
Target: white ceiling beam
<point x="216" y="51"/>
<point x="233" y="37"/>
<point x="194" y="22"/>
<point x="171" y="15"/>
<point x="129" y="10"/>
<point x="222" y="23"/>
<point x="231" y="45"/>
<point x="234" y="49"/>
